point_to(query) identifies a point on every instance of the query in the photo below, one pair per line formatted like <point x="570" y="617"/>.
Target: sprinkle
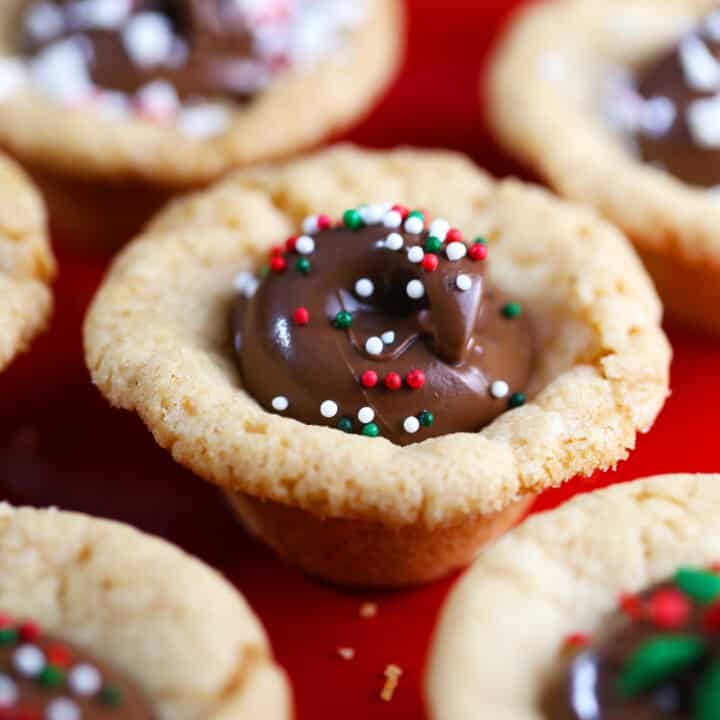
<point x="51" y="676"/>
<point x="371" y="430"/>
<point x="415" y="289"/>
<point x="455" y="251"/>
<point x="703" y="118"/>
<point x="392" y="220"/>
<point x="392" y="677"/>
<point x="657" y="116"/>
<point x="576" y="641"/>
<point x="512" y="310"/>
<point x="430" y="262"/>
<point x="366" y="415"/>
<point x="632" y="606"/>
<point x="346" y="653"/>
<point x="343" y="320"/>
<point x="290" y="243"/>
<point x="59" y="655"/>
<point x="393" y="381"/>
<point x="394" y="241"/>
<point x="246" y="284"/>
<point x="699" y="585"/>
<point x="706" y="700"/>
<point x="411" y="424"/>
<point x="8" y="691"/>
<point x="439" y="229"/>
<point x="148" y="38"/>
<point x="85" y="679"/>
<point x="324" y="222"/>
<point x="44" y="20"/>
<point x="110" y="696"/>
<point x="278" y="264"/>
<point x="711" y="618"/>
<point x="669" y="609"/>
<point x="417" y="214"/>
<point x="301" y="316"/>
<point x="104" y="14"/>
<point x="369" y="379"/>
<point x="516" y="400"/>
<point x="353" y="219"/>
<point x="305" y="245"/>
<point x="453" y="235"/>
<point x="372" y="214"/>
<point x="478" y="251"/>
<point x="368" y="610"/>
<point x="463" y="283"/>
<point x="29" y="660"/>
<point x="158" y="101"/>
<point x="499" y="389"/>
<point x="388" y="337"/>
<point x="60" y="70"/>
<point x="328" y="409"/>
<point x="401" y="210"/>
<point x="29" y="631"/>
<point x="433" y="244"/>
<point x="302" y="265"/>
<point x="310" y="224"/>
<point x="6" y="620"/>
<point x="345" y="424"/>
<point x="204" y="120"/>
<point x="364" y="287"/>
<point x="277" y="250"/>
<point x="374" y="345"/>
<point x="480" y="240"/>
<point x="414" y="225"/>
<point x="426" y="418"/>
<point x="415" y="379"/>
<point x="8" y="636"/>
<point x="701" y="69"/>
<point x="62" y="709"/>
<point x="280" y="403"/>
<point x="415" y="254"/>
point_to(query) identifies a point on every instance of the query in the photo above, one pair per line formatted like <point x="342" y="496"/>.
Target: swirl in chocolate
<point x="45" y="678"/>
<point x="382" y="325"/>
<point x="657" y="657"/>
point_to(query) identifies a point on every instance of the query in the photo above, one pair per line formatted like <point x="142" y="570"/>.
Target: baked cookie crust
<point x="144" y="606"/>
<point x="547" y="87"/>
<point x="157" y="342"/>
<point x="500" y="636"/>
<point x="27" y="265"/>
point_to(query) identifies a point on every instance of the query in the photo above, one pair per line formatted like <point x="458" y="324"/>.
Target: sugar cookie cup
<point x="562" y="86"/>
<point x="361" y="510"/>
<point x="146" y="608"/>
<point x="103" y="177"/>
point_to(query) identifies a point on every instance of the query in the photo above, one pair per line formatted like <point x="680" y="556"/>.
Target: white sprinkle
<point x="62" y="709"/>
<point x="373" y="345"/>
<point x="463" y="282"/>
<point x="148" y="38"/>
<point x="328" y="409"/>
<point x="414" y="225"/>
<point x="712" y="25"/>
<point x="388" y="337"/>
<point x="372" y="214"/>
<point x="415" y="254"/>
<point x="499" y="389"/>
<point x="8" y="691"/>
<point x="364" y="287"/>
<point x="366" y="415"/>
<point x="305" y="245"/>
<point x="112" y="104"/>
<point x="394" y="241"/>
<point x="60" y="70"/>
<point x="439" y="228"/>
<point x="246" y="283"/>
<point x="29" y="660"/>
<point x="85" y="679"/>
<point x="455" y="251"/>
<point x="44" y="21"/>
<point x="203" y="120"/>
<point x="310" y="224"/>
<point x="657" y="116"/>
<point x="392" y="220"/>
<point x="701" y="69"/>
<point x="159" y="100"/>
<point x="703" y="118"/>
<point x="346" y="653"/>
<point x="411" y="424"/>
<point x="13" y="76"/>
<point x="280" y="403"/>
<point x="105" y="14"/>
<point x="415" y="289"/>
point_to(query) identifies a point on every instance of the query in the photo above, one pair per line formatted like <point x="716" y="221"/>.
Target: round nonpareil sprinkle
<point x="516" y="400"/>
<point x="426" y="418"/>
<point x="439" y="228"/>
<point x="301" y="316"/>
<point x="278" y="264"/>
<point x="369" y="379"/>
<point x="392" y="220"/>
<point x="84" y="679"/>
<point x="499" y="389"/>
<point x="454" y="235"/>
<point x="411" y="424"/>
<point x="29" y="660"/>
<point x="374" y="345"/>
<point x="353" y="219"/>
<point x="430" y="262"/>
<point x="280" y="403"/>
<point x="302" y="265"/>
<point x="512" y="310"/>
<point x="8" y="691"/>
<point x="345" y="424"/>
<point x="393" y="381"/>
<point x="388" y="337"/>
<point x="394" y="241"/>
<point x="415" y="254"/>
<point x="463" y="282"/>
<point x="328" y="409"/>
<point x="305" y="245"/>
<point x="400" y="210"/>
<point x="415" y="379"/>
<point x="371" y="430"/>
<point x="414" y="225"/>
<point x="433" y="244"/>
<point x="366" y="415"/>
<point x="455" y="251"/>
<point x="63" y="709"/>
<point x="343" y="320"/>
<point x="415" y="289"/>
<point x="478" y="251"/>
<point x="364" y="287"/>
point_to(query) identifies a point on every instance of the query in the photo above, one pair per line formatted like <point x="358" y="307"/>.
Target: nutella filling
<point x="657" y="657"/>
<point x="384" y="324"/>
<point x="45" y="678"/>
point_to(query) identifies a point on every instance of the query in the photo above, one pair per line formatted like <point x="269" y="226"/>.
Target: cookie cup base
<point x="367" y="554"/>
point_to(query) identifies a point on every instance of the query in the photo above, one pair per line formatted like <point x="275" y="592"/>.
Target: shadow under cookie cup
<point x="354" y="509"/>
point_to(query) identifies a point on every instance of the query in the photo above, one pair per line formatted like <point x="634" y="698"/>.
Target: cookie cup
<point x="144" y="607"/>
<point x="499" y="643"/>
<point x="27" y="265"/>
<point x="106" y="177"/>
<point x="557" y="64"/>
<point x="360" y="510"/>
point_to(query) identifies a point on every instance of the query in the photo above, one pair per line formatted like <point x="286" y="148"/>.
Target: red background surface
<point x="61" y="444"/>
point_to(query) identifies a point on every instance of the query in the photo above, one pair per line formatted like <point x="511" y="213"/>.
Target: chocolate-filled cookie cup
<point x="114" y="108"/>
<point x="361" y="491"/>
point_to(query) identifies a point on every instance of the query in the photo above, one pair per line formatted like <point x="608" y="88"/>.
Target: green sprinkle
<point x="707" y="695"/>
<point x="657" y="660"/>
<point x="480" y="241"/>
<point x="8" y="636"/>
<point x="517" y="400"/>
<point x="426" y="418"/>
<point x="345" y="424"/>
<point x="264" y="271"/>
<point x="303" y="266"/>
<point x="353" y="219"/>
<point x="433" y="244"/>
<point x="371" y="430"/>
<point x="343" y="320"/>
<point x="417" y="214"/>
<point x="110" y="696"/>
<point x="51" y="676"/>
<point x="699" y="585"/>
<point x="512" y="310"/>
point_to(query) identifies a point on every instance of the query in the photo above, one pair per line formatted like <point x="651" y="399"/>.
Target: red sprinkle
<point x="404" y="212"/>
<point x="323" y="222"/>
<point x="632" y="606"/>
<point x="29" y="631"/>
<point x="393" y="381"/>
<point x="290" y="243"/>
<point x="415" y="379"/>
<point x="5" y="620"/>
<point x="369" y="379"/>
<point x="669" y="608"/>
<point x="301" y="316"/>
<point x="59" y="656"/>
<point x="430" y="262"/>
<point x="453" y="235"/>
<point x="278" y="264"/>
<point x="277" y="251"/>
<point x="577" y="640"/>
<point x="711" y="618"/>
<point x="478" y="251"/>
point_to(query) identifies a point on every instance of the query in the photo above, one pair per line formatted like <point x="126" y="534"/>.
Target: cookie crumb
<point x="392" y="678"/>
<point x="346" y="653"/>
<point x="368" y="610"/>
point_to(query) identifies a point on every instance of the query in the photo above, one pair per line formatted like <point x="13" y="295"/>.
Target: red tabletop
<point x="61" y="444"/>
